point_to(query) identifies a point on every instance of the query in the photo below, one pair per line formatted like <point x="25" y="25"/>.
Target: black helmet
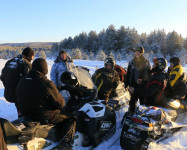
<point x="109" y="61"/>
<point x="160" y="63"/>
<point x="69" y="78"/>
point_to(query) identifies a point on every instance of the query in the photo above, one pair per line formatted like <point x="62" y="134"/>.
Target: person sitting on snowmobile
<point x="40" y="100"/>
<point x="153" y="91"/>
<point x="106" y="79"/>
<point x="79" y="94"/>
<point x="176" y="86"/>
<point x="138" y="73"/>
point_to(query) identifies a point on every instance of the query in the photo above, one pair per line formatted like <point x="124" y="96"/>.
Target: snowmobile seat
<point x="18" y="134"/>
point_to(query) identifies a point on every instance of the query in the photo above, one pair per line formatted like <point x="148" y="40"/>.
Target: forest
<point x="110" y="41"/>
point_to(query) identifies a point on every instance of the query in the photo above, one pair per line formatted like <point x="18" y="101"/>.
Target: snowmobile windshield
<point x="84" y="78"/>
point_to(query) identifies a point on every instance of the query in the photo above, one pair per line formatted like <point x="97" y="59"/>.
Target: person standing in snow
<point x="153" y="91"/>
<point x="138" y="73"/>
<point x="106" y="79"/>
<point x="40" y="100"/>
<point x="61" y="64"/>
<point x="176" y="86"/>
<point x="13" y="71"/>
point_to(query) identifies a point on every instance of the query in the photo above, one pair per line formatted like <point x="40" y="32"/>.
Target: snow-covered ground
<point x="177" y="142"/>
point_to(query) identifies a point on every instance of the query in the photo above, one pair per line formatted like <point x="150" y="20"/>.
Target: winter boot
<point x="86" y="141"/>
<point x="63" y="145"/>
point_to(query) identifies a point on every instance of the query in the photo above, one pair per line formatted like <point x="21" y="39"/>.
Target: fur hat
<point x="28" y="53"/>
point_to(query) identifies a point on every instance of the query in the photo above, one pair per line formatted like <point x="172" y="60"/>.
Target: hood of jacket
<point x="40" y="65"/>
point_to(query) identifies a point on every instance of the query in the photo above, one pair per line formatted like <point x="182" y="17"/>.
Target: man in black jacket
<point x="40" y="100"/>
<point x="106" y="79"/>
<point x="153" y="91"/>
<point x="13" y="71"/>
<point x="138" y="73"/>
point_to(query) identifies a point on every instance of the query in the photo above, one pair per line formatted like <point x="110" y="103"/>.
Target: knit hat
<point x="139" y="49"/>
<point x="62" y="52"/>
<point x="28" y="53"/>
<point x="40" y="65"/>
<point x="175" y="60"/>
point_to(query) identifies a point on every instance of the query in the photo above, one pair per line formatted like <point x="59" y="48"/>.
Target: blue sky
<point x="54" y="20"/>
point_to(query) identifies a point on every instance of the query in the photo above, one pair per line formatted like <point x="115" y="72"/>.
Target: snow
<point x="176" y="142"/>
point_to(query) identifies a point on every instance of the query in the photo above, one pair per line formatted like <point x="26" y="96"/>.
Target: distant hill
<point x="28" y="44"/>
<point x="34" y="45"/>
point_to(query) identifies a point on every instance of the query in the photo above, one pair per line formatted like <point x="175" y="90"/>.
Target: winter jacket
<point x="38" y="97"/>
<point x="176" y="86"/>
<point x="13" y="71"/>
<point x="105" y="81"/>
<point x="58" y="68"/>
<point x="79" y="96"/>
<point x="153" y="92"/>
<point x="138" y="69"/>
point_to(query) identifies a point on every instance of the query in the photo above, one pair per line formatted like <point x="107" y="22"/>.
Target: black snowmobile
<point x="152" y="124"/>
<point x="94" y="119"/>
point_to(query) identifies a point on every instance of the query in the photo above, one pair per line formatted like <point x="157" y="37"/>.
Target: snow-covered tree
<point x="41" y="54"/>
<point x="174" y="43"/>
<point x="101" y="55"/>
<point x="76" y="53"/>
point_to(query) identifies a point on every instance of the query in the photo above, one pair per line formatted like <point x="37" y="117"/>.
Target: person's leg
<point x="65" y="128"/>
<point x="132" y="103"/>
<point x="18" y="110"/>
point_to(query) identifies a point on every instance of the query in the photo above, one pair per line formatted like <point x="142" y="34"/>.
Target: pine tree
<point x="101" y="55"/>
<point x="76" y="53"/>
<point x="42" y="54"/>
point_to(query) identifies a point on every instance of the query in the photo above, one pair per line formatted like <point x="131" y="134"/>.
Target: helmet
<point x="160" y="63"/>
<point x="69" y="78"/>
<point x="109" y="61"/>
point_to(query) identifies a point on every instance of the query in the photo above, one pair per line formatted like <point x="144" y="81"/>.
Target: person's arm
<point x="54" y="97"/>
<point x="153" y="88"/>
<point x="53" y="74"/>
<point x="127" y="76"/>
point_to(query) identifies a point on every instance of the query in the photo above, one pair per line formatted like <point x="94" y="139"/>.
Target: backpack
<point x="11" y="74"/>
<point x="122" y="72"/>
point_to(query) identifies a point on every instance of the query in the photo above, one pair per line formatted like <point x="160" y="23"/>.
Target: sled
<point x="149" y="124"/>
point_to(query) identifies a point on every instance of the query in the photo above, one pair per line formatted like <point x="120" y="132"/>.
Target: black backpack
<point x="12" y="72"/>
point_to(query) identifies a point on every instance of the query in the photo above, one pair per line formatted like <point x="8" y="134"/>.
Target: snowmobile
<point x="152" y="124"/>
<point x="94" y="119"/>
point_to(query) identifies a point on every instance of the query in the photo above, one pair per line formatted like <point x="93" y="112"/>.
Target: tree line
<point x="118" y="42"/>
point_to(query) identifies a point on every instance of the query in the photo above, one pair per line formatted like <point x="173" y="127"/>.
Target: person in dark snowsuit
<point x="138" y="73"/>
<point x="79" y="94"/>
<point x="13" y="71"/>
<point x="62" y="63"/>
<point x="153" y="91"/>
<point x="106" y="79"/>
<point x="40" y="100"/>
<point x="176" y="86"/>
